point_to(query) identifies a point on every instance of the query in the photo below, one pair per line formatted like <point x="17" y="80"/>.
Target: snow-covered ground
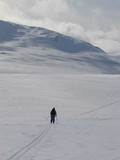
<point x="88" y="124"/>
<point x="41" y="69"/>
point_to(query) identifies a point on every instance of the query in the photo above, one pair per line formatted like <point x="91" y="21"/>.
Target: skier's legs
<point x="52" y="119"/>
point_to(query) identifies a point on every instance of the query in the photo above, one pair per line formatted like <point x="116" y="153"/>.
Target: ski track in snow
<point x="88" y="117"/>
<point x="18" y="155"/>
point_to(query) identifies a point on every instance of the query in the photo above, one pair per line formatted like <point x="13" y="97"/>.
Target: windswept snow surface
<point x="88" y="124"/>
<point x="41" y="69"/>
<point x="25" y="49"/>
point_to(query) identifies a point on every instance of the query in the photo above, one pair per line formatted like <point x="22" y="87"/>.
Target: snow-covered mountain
<point x="32" y="36"/>
<point x="87" y="125"/>
<point x="39" y="47"/>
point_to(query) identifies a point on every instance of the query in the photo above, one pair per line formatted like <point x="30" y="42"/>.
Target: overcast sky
<point x="96" y="21"/>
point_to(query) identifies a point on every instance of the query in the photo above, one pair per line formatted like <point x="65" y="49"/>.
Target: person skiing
<point x="53" y="114"/>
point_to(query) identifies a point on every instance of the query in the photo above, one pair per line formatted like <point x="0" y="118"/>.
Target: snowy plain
<point x="88" y="124"/>
<point x="41" y="69"/>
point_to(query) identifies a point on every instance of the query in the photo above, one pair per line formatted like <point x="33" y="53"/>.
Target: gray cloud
<point x="91" y="20"/>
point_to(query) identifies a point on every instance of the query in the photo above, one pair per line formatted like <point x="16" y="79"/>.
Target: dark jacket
<point x="53" y="112"/>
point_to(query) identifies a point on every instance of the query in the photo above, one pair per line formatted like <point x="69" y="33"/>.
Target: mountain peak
<point x="36" y="36"/>
<point x="42" y="48"/>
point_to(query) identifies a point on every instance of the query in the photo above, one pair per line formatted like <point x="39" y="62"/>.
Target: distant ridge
<point x="40" y="48"/>
<point x="36" y="36"/>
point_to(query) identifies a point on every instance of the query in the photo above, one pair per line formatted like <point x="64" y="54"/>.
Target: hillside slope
<point x="39" y="47"/>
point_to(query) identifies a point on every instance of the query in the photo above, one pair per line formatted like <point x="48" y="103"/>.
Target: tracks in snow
<point x="102" y="107"/>
<point x="20" y="153"/>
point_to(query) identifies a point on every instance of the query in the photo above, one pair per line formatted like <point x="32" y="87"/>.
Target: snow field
<point x="88" y="117"/>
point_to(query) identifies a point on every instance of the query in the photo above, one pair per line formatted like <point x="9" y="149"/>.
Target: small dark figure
<point x="53" y="114"/>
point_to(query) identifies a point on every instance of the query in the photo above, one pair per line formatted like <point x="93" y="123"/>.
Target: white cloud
<point x="90" y="20"/>
<point x="108" y="41"/>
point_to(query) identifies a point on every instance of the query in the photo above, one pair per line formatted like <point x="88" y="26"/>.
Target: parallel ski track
<point x="99" y="108"/>
<point x="20" y="153"/>
<point x="96" y="109"/>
